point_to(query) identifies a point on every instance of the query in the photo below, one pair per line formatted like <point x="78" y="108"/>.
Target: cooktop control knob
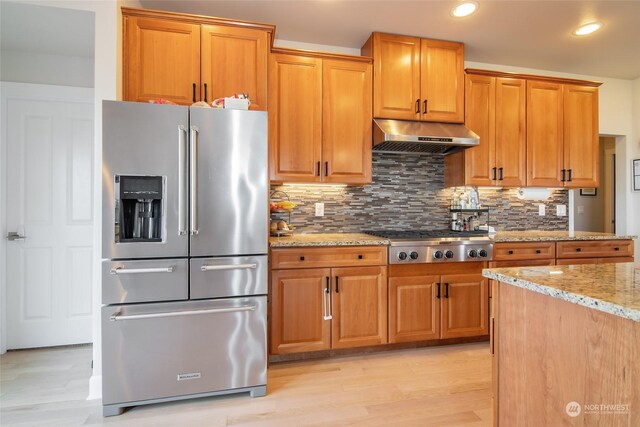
<point x="448" y="254"/>
<point x="482" y="253"/>
<point x="437" y="254"/>
<point x="473" y="253"/>
<point x="414" y="255"/>
<point x="402" y="256"/>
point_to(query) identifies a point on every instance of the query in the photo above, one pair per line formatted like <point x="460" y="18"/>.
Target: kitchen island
<point x="565" y="342"/>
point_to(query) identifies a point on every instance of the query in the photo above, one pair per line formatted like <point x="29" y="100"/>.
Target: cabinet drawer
<point x="328" y="257"/>
<point x="595" y="249"/>
<point x="522" y="263"/>
<point x="524" y="251"/>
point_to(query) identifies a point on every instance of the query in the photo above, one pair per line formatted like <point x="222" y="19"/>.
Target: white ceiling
<point x="46" y="30"/>
<point x="532" y="34"/>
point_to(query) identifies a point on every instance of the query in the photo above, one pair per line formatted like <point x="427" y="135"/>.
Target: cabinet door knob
<point x="616" y="249"/>
<point x="538" y="251"/>
<point x="361" y="256"/>
<point x="301" y="258"/>
<point x="510" y="252"/>
<point x="578" y="250"/>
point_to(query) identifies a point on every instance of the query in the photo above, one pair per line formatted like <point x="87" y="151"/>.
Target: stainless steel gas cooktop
<point x="430" y="246"/>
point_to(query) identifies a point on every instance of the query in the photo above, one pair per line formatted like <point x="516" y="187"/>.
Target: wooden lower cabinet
<point x="297" y="311"/>
<point x="438" y="306"/>
<point x="323" y="308"/>
<point x="359" y="307"/>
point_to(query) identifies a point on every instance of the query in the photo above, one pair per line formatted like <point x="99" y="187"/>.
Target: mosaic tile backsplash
<point x="408" y="192"/>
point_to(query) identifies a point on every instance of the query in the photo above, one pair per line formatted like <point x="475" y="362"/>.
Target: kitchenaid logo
<point x="574" y="409"/>
<point x="189" y="376"/>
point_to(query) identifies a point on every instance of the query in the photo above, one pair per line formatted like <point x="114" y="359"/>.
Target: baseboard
<point x="95" y="387"/>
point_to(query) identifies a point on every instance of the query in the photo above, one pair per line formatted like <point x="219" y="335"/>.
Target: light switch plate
<point x="319" y="209"/>
<point x="561" y="210"/>
<point x="541" y="210"/>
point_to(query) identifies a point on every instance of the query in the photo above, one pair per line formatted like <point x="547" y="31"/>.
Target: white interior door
<point x="48" y="135"/>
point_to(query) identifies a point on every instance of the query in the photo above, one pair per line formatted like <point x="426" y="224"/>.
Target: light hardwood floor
<point x="438" y="386"/>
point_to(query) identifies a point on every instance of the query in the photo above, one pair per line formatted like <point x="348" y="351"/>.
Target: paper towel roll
<point x="533" y="193"/>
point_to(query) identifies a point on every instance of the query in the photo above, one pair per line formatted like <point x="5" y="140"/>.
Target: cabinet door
<point x="234" y="60"/>
<point x="464" y="306"/>
<point x="544" y="134"/>
<point x="161" y="59"/>
<point x="480" y="118"/>
<point x="359" y="307"/>
<point x="298" y="305"/>
<point x="396" y="76"/>
<point x="414" y="308"/>
<point x="442" y="81"/>
<point x="295" y="118"/>
<point x="511" y="136"/>
<point x="581" y="139"/>
<point x="346" y="112"/>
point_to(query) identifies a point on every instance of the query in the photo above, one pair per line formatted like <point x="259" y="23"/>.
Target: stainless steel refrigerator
<point x="184" y="270"/>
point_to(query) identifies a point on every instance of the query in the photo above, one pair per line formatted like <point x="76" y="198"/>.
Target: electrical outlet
<point x="319" y="209"/>
<point x="580" y="209"/>
<point x="561" y="210"/>
<point x="541" y="210"/>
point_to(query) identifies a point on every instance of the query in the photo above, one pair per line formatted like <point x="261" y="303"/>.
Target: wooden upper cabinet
<point x="511" y="132"/>
<point x="295" y="118"/>
<point x="396" y="76"/>
<point x="359" y="307"/>
<point x="416" y="79"/>
<point x="479" y="162"/>
<point x="465" y="306"/>
<point x="298" y="303"/>
<point x="545" y="134"/>
<point x="581" y="139"/>
<point x="234" y="60"/>
<point x="496" y="111"/>
<point x="346" y="112"/>
<point x="161" y="60"/>
<point x="442" y="81"/>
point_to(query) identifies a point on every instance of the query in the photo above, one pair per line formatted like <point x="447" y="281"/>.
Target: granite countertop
<point x="334" y="239"/>
<point x="539" y="236"/>
<point x="611" y="288"/>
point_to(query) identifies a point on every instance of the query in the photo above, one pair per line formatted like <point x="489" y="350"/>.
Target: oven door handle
<point x="117" y="316"/>
<point x="121" y="270"/>
<point x="228" y="267"/>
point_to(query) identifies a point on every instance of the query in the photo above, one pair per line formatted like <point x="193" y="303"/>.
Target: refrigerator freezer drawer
<point x="171" y="350"/>
<point x="228" y="277"/>
<point x="145" y="281"/>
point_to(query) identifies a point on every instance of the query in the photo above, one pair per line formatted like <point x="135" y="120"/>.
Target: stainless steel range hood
<point x="400" y="136"/>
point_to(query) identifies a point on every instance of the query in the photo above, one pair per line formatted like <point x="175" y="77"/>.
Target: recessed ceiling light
<point x="464" y="9"/>
<point x="589" y="28"/>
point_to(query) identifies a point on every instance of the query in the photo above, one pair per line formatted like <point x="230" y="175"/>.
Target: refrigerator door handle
<point x="227" y="267"/>
<point x="183" y="188"/>
<point x="193" y="157"/>
<point x="121" y="270"/>
<point x="117" y="316"/>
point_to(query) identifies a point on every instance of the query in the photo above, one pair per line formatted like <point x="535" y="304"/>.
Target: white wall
<point x="40" y="68"/>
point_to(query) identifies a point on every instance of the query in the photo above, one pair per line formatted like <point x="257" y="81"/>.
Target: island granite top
<point x="611" y="288"/>
<point x="541" y="235"/>
<point x="333" y="239"/>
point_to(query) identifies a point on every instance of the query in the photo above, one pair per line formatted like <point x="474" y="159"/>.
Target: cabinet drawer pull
<point x="510" y="252"/>
<point x="538" y="251"/>
<point x="616" y="249"/>
<point x="362" y="256"/>
<point x="438" y="290"/>
<point x="418" y="106"/>
<point x="301" y="258"/>
<point x="578" y="250"/>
